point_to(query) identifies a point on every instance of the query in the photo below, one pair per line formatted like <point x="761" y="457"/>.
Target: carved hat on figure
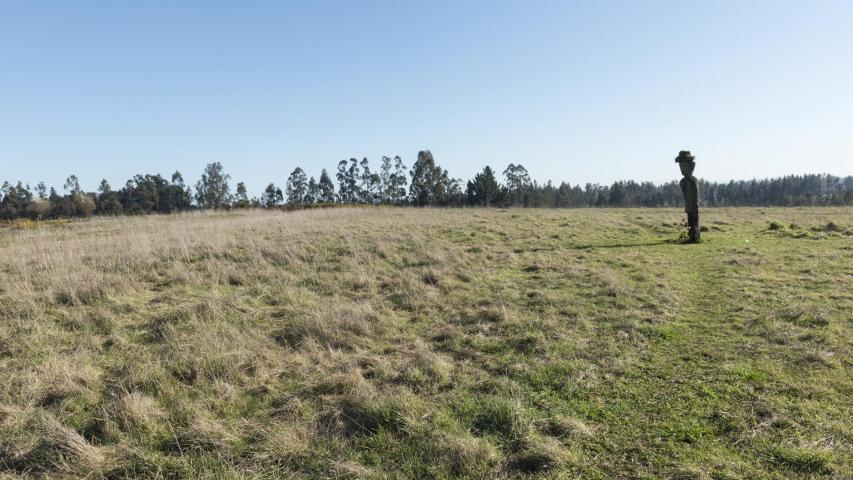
<point x="685" y="156"/>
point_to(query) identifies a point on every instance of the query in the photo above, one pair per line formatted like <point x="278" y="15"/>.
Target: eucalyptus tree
<point x="272" y="196"/>
<point x="212" y="191"/>
<point x="297" y="187"/>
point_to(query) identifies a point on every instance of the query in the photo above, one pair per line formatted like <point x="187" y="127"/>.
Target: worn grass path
<point x="700" y="403"/>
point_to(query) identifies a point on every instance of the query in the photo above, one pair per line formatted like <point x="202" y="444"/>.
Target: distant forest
<point x="425" y="184"/>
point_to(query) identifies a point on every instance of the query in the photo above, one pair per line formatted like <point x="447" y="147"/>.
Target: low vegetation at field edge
<point x="418" y="343"/>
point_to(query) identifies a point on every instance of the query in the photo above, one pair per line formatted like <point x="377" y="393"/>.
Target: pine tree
<point x="327" y="188"/>
<point x="72" y="185"/>
<point x="483" y="188"/>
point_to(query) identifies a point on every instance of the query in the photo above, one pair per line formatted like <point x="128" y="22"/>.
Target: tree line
<point x="425" y="184"/>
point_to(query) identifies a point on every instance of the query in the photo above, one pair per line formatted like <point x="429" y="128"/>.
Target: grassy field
<point x="403" y="343"/>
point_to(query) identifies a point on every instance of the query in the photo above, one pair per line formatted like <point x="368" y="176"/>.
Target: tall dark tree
<point x="353" y="179"/>
<point x="212" y="191"/>
<point x="369" y="185"/>
<point x="16" y="201"/>
<point x="617" y="195"/>
<point x="297" y="187"/>
<point x="327" y="188"/>
<point x="343" y="194"/>
<point x="41" y="190"/>
<point x="147" y="194"/>
<point x="483" y="188"/>
<point x="72" y="185"/>
<point x="59" y="206"/>
<point x="429" y="181"/>
<point x="385" y="179"/>
<point x="453" y="195"/>
<point x="241" y="197"/>
<point x="180" y="196"/>
<point x="313" y="193"/>
<point x="272" y="196"/>
<point x="399" y="180"/>
<point x="77" y="203"/>
<point x="517" y="183"/>
<point x="348" y="179"/>
<point x="517" y="177"/>
<point x="107" y="201"/>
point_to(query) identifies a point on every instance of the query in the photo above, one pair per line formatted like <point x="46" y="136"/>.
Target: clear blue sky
<point x="577" y="91"/>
